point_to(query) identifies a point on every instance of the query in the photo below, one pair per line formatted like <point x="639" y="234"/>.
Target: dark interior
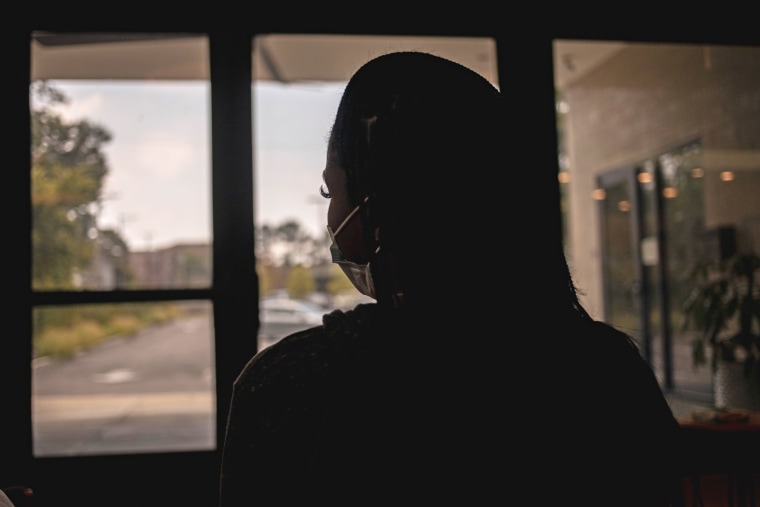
<point x="524" y="51"/>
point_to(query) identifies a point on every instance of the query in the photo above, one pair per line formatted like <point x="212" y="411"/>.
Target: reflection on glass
<point x="651" y="265"/>
<point x="683" y="220"/>
<point x="690" y="112"/>
<point x="123" y="378"/>
<point x="620" y="278"/>
<point x="120" y="171"/>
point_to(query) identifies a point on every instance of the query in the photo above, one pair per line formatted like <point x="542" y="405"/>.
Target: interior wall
<point x="640" y="103"/>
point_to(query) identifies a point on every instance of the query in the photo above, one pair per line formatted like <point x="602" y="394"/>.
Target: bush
<point x="61" y="332"/>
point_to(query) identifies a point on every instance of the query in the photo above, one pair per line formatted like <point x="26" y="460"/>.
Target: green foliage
<point x="286" y="257"/>
<point x="117" y="249"/>
<point x="289" y="244"/>
<point x="339" y="282"/>
<point x="124" y="325"/>
<point x="60" y="245"/>
<point x="67" y="175"/>
<point x="265" y="277"/>
<point x="63" y="331"/>
<point x="723" y="306"/>
<point x="65" y="342"/>
<point x="301" y="282"/>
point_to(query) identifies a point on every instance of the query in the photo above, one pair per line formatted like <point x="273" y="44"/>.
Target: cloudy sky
<point x="158" y="189"/>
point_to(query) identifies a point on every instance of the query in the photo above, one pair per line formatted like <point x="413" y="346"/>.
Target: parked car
<point x="281" y="316"/>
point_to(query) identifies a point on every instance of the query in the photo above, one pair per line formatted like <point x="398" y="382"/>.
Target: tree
<point x="285" y="247"/>
<point x="339" y="282"/>
<point x="301" y="282"/>
<point x="111" y="245"/>
<point x="289" y="244"/>
<point x="68" y="170"/>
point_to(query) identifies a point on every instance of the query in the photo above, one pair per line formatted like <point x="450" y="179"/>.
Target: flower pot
<point x="734" y="389"/>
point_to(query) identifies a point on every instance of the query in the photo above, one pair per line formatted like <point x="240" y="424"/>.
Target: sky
<point x="157" y="192"/>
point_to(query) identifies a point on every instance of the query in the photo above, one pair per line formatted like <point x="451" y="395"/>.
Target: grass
<point x="62" y="332"/>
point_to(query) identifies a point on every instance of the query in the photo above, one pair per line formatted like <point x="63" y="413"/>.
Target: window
<point x="121" y="204"/>
<point x="294" y="104"/>
<point x="123" y="324"/>
<point x="229" y="292"/>
<point x="664" y="138"/>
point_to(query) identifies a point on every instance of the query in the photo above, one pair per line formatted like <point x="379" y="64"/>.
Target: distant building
<point x="179" y="266"/>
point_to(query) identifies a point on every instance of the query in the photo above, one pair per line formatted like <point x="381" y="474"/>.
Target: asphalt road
<point x="152" y="392"/>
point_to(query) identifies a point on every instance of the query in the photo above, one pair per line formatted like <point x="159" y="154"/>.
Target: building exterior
<point x="178" y="266"/>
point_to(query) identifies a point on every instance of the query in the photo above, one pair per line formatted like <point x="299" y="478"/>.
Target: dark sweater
<point x="375" y="408"/>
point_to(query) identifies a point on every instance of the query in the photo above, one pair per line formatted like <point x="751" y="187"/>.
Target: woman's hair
<point x="407" y="118"/>
<point x="423" y="138"/>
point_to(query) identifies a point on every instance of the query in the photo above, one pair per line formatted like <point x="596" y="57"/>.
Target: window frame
<point x="235" y="286"/>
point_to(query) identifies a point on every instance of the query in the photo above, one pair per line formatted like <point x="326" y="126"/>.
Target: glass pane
<point x="683" y="213"/>
<point x="120" y="200"/>
<point x="692" y="111"/>
<point x="123" y="378"/>
<point x="620" y="278"/>
<point x="298" y="82"/>
<point x="120" y="164"/>
<point x="649" y="250"/>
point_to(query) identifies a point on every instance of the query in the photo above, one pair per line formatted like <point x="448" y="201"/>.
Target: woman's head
<point x="413" y="111"/>
<point x="415" y="139"/>
<point x="417" y="163"/>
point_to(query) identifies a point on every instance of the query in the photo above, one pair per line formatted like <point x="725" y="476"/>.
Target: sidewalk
<point x="131" y="423"/>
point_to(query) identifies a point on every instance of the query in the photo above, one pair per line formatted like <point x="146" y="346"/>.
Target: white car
<point x="281" y="316"/>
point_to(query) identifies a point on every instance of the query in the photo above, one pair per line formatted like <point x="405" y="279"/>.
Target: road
<point x="152" y="392"/>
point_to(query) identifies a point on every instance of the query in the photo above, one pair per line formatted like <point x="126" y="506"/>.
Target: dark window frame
<point x="98" y="480"/>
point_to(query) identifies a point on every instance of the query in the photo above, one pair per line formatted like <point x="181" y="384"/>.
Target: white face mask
<point x="358" y="274"/>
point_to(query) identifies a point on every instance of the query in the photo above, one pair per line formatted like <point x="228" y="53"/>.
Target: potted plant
<point x="723" y="306"/>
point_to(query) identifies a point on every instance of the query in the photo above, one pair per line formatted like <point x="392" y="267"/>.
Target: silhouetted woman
<point x="477" y="376"/>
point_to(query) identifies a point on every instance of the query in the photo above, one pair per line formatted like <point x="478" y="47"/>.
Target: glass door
<point x="622" y="272"/>
<point x="651" y="216"/>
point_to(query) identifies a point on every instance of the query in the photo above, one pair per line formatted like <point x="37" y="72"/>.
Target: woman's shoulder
<point x="603" y="358"/>
<point x="303" y="357"/>
<point x="606" y="338"/>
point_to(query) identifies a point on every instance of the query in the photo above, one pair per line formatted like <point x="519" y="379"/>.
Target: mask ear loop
<point x="347" y="219"/>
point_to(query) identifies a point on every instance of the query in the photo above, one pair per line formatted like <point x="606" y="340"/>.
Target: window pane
<point x="690" y="117"/>
<point x="298" y="82"/>
<point x="120" y="196"/>
<point x="123" y="378"/>
<point x="120" y="164"/>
